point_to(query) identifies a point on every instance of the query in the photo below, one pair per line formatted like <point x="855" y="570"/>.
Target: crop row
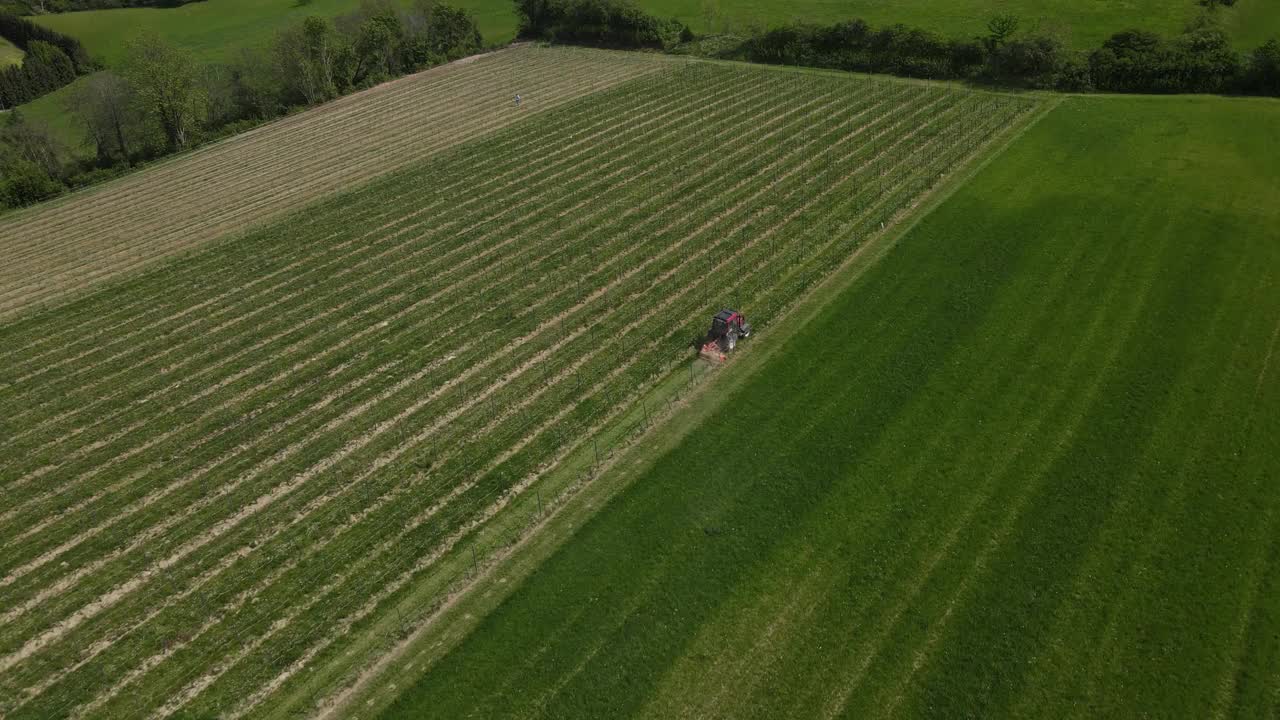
<point x="302" y="479"/>
<point x="259" y="150"/>
<point x="291" y="377"/>
<point x="192" y="274"/>
<point x="189" y="201"/>
<point x="464" y="308"/>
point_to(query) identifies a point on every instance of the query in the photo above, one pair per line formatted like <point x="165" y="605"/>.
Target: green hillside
<point x="1253" y="22"/>
<point x="1024" y="467"/>
<point x="1083" y="24"/>
<point x="216" y="30"/>
<point x="10" y="54"/>
<point x="51" y="112"/>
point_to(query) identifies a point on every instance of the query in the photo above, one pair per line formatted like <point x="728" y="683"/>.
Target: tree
<point x="169" y="87"/>
<point x="443" y="33"/>
<point x="377" y="49"/>
<point x="22" y="32"/>
<point x="107" y="106"/>
<point x="315" y="62"/>
<point x="44" y="69"/>
<point x="55" y="67"/>
<point x="1131" y="60"/>
<point x="536" y="17"/>
<point x="31" y="143"/>
<point x="1204" y="59"/>
<point x="604" y="23"/>
<point x="257" y="88"/>
<point x="1264" y="69"/>
<point x="24" y="183"/>
<point x="1033" y="60"/>
<point x="999" y="29"/>
<point x="31" y="162"/>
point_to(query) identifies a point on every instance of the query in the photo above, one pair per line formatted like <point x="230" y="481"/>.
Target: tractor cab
<point x="727" y="327"/>
<point x="720" y="323"/>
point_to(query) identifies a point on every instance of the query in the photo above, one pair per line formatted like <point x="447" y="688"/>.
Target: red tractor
<point x="727" y="327"/>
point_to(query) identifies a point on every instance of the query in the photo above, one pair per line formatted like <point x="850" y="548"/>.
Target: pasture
<point x="1024" y="466"/>
<point x="1082" y="25"/>
<point x="216" y="30"/>
<point x="223" y="475"/>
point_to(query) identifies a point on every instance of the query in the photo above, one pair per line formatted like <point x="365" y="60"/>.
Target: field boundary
<point x="496" y="577"/>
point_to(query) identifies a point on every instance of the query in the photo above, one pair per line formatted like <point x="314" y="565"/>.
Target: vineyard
<point x="1023" y="465"/>
<point x="104" y="232"/>
<point x="223" y="474"/>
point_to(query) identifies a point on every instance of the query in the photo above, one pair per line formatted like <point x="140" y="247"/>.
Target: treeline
<point x="52" y="61"/>
<point x="161" y="101"/>
<point x="1200" y="60"/>
<point x="599" y="23"/>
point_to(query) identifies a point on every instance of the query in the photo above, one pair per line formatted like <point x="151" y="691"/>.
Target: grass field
<point x="223" y="473"/>
<point x="1024" y="467"/>
<point x="51" y="111"/>
<point x="66" y="246"/>
<point x="1253" y="24"/>
<point x="1084" y="25"/>
<point x="10" y="54"/>
<point x="216" y="30"/>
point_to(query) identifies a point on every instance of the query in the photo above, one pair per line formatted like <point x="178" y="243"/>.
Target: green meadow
<point x="1081" y="23"/>
<point x="216" y="30"/>
<point x="52" y="112"/>
<point x="1023" y="466"/>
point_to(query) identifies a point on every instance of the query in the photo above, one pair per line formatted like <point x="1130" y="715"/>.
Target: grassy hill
<point x="217" y="29"/>
<point x="51" y="111"/>
<point x="1084" y="24"/>
<point x="1023" y="467"/>
<point x="10" y="54"/>
<point x="1253" y="22"/>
